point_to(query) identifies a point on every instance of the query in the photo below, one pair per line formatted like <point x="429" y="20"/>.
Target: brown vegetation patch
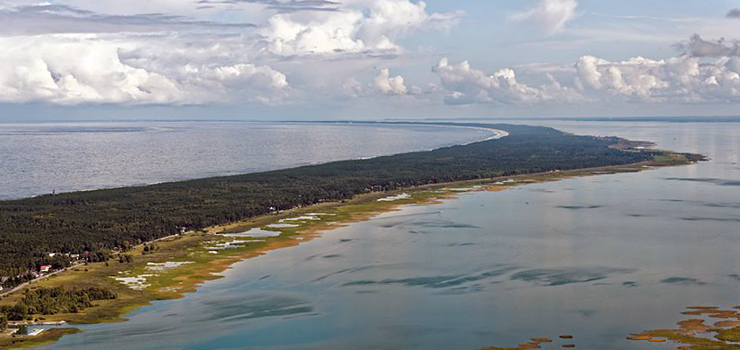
<point x="725" y="324"/>
<point x="542" y="340"/>
<point x="694" y="334"/>
<point x="724" y="314"/>
<point x="693" y="325"/>
<point x="639" y="337"/>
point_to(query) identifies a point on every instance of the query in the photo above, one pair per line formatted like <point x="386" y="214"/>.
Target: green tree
<point x="20" y="312"/>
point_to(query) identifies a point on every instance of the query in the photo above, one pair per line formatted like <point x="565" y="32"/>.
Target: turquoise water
<point x="597" y="257"/>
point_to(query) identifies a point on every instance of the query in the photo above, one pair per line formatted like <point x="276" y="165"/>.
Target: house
<point x="45" y="268"/>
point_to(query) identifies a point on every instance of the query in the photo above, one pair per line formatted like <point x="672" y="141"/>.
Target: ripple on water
<point x="235" y="309"/>
<point x="559" y="277"/>
<point x="715" y="181"/>
<point x="683" y="281"/>
<point x="436" y="282"/>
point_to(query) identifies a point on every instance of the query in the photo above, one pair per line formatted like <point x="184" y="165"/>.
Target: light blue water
<point x="597" y="257"/>
<point x="41" y="158"/>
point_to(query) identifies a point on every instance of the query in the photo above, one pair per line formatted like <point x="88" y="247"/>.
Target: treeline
<point x="98" y="220"/>
<point x="51" y="301"/>
<point x="13" y="276"/>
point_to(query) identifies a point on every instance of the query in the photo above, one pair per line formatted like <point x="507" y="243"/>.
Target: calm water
<point x="40" y="158"/>
<point x="597" y="257"/>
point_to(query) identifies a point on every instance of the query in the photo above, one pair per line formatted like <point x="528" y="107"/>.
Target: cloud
<point x="279" y="6"/>
<point x="466" y="85"/>
<point x="133" y="7"/>
<point x="550" y="16"/>
<point x="285" y="51"/>
<point x="637" y="77"/>
<point x="684" y="79"/>
<point x="117" y="70"/>
<point x="734" y="13"/>
<point x="390" y="85"/>
<point x="59" y="18"/>
<point x="83" y="51"/>
<point x="698" y="47"/>
<point x="358" y="26"/>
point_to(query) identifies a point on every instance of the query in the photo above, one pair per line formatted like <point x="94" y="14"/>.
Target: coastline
<point x="200" y="264"/>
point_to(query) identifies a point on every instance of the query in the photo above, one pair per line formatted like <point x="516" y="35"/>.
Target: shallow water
<point x="597" y="257"/>
<point x="41" y="158"/>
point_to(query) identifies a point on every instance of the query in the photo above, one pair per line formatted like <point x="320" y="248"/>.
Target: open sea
<point x="41" y="158"/>
<point x="596" y="257"/>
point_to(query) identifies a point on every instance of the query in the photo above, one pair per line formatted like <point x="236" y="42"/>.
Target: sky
<point x="367" y="59"/>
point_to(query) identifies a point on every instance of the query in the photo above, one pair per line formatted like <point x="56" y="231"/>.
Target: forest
<point x="51" y="301"/>
<point x="92" y="223"/>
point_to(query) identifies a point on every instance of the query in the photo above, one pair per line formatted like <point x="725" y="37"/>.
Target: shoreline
<point x="202" y="266"/>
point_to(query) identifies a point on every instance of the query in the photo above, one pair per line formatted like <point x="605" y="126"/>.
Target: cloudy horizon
<point x="366" y="59"/>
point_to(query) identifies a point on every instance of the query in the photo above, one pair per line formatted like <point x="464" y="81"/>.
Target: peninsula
<point x="115" y="249"/>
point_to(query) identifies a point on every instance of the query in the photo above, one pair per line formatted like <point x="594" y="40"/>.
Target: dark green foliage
<point x="106" y="219"/>
<point x="149" y="248"/>
<point x="100" y="255"/>
<point x="50" y="301"/>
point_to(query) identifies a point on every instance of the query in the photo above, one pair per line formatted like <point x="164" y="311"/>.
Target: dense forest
<point x="51" y="301"/>
<point x="96" y="221"/>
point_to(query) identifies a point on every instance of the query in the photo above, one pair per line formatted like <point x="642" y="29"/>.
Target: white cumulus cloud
<point x="549" y="15"/>
<point x="357" y="26"/>
<point x="89" y="68"/>
<point x="390" y="85"/>
<point x="684" y="79"/>
<point x="465" y="85"/>
<point x="677" y="79"/>
<point x="206" y="51"/>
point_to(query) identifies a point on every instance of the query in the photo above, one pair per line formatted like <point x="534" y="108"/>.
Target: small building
<point x="45" y="268"/>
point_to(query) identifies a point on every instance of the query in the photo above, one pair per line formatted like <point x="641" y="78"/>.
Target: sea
<point x="595" y="257"/>
<point x="44" y="158"/>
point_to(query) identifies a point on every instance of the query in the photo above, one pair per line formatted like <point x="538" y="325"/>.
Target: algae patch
<point x="711" y="328"/>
